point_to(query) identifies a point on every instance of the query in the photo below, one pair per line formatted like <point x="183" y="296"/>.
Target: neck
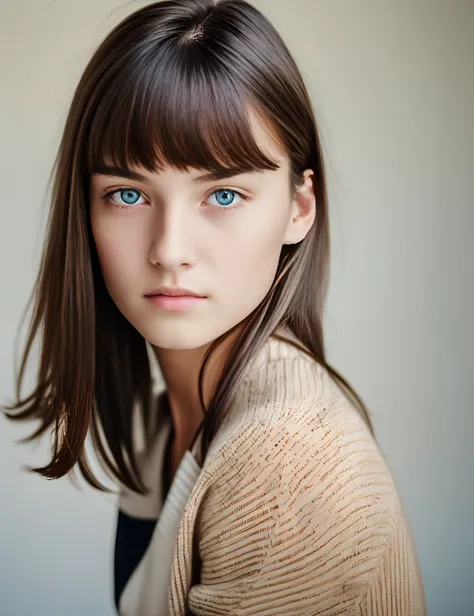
<point x="180" y="370"/>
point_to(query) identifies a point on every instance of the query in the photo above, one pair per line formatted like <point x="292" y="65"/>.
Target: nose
<point x="170" y="238"/>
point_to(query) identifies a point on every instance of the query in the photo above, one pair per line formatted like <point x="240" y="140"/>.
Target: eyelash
<point x="107" y="197"/>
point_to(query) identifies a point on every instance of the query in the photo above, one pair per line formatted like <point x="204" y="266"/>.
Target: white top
<point x="158" y="559"/>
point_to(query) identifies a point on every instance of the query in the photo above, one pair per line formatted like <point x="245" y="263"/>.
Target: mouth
<point x="173" y="292"/>
<point x="175" y="302"/>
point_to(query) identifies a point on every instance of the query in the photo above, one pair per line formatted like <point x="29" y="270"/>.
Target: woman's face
<point x="221" y="239"/>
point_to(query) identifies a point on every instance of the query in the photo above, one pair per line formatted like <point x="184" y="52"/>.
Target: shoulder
<point x="319" y="446"/>
<point x="290" y="408"/>
<point x="296" y="432"/>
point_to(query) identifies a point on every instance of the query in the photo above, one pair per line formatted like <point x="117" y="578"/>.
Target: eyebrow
<point x="125" y="172"/>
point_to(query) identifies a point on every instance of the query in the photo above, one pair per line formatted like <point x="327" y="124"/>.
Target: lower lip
<point x="180" y="302"/>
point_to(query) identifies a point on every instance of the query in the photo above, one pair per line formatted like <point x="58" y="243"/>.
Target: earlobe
<point x="303" y="211"/>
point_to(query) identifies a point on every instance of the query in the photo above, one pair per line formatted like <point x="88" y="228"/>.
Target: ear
<point x="303" y="211"/>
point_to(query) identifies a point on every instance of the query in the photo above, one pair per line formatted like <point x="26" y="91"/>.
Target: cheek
<point x="118" y="250"/>
<point x="251" y="259"/>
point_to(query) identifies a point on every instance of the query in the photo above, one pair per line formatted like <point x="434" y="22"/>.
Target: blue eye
<point x="225" y="197"/>
<point x="129" y="196"/>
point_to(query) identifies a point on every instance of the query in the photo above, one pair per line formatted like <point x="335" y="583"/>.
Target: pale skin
<point x="178" y="234"/>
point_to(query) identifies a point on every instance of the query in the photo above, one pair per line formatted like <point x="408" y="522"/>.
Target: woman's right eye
<point x="129" y="197"/>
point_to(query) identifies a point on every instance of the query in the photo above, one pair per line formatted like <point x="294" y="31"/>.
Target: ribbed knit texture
<point x="295" y="511"/>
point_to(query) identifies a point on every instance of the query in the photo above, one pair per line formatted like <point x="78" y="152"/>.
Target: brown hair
<point x="172" y="83"/>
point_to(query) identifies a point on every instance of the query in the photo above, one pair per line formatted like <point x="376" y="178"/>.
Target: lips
<point x="175" y="302"/>
<point x="174" y="292"/>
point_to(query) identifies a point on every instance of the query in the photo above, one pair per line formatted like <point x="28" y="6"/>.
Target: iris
<point x="128" y="196"/>
<point x="227" y="198"/>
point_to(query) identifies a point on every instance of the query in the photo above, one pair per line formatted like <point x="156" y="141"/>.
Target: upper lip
<point x="173" y="291"/>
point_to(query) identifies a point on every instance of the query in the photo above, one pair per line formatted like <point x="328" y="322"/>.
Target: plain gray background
<point x="392" y="86"/>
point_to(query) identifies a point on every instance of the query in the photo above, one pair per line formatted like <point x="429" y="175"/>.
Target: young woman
<point x="189" y="236"/>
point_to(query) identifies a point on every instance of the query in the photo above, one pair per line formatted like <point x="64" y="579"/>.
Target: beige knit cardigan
<point x="294" y="511"/>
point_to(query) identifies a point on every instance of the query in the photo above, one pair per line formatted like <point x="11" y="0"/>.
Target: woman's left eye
<point x="225" y="198"/>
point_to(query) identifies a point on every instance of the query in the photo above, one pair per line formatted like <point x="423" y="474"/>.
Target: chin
<point x="182" y="333"/>
<point x="178" y="336"/>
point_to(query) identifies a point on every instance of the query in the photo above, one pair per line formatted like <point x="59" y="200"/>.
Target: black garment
<point x="132" y="538"/>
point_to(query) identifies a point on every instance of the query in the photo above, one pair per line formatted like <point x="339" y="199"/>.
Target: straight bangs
<point x="176" y="107"/>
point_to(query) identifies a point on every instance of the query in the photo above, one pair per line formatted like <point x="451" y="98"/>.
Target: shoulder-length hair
<point x="171" y="84"/>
